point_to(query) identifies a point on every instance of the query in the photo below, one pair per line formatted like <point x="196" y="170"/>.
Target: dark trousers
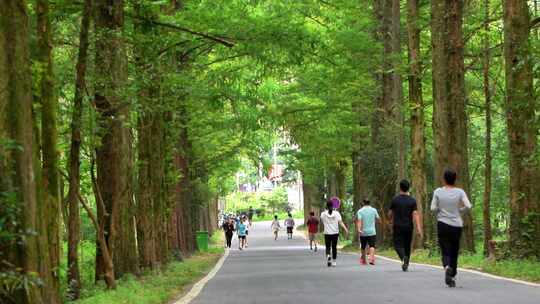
<point x="449" y="237"/>
<point x="402" y="242"/>
<point x="228" y="238"/>
<point x="330" y="240"/>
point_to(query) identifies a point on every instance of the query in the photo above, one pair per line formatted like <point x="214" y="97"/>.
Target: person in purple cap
<point x="335" y="202"/>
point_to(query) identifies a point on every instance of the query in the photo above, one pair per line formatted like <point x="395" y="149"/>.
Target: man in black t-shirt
<point x="403" y="211"/>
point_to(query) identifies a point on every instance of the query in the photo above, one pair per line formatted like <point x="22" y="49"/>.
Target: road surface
<point x="286" y="271"/>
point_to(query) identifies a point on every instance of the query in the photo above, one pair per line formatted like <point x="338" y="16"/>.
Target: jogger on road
<point x="403" y="211"/>
<point x="313" y="229"/>
<point x="331" y="220"/>
<point x="448" y="203"/>
<point x="275" y="227"/>
<point x="228" y="228"/>
<point x="241" y="231"/>
<point x="248" y="226"/>
<point x="289" y="223"/>
<point x="366" y="218"/>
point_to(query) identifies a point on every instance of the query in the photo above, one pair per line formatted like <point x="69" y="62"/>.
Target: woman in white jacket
<point x="331" y="219"/>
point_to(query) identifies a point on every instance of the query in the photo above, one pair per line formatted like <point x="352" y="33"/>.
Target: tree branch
<point x="225" y="59"/>
<point x="534" y="23"/>
<point x="186" y="30"/>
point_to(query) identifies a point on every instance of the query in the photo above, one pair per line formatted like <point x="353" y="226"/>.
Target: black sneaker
<point x="448" y="279"/>
<point x="405" y="265"/>
<point x="315" y="249"/>
<point x="329" y="262"/>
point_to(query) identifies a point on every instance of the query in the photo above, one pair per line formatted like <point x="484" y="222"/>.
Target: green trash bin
<point x="202" y="240"/>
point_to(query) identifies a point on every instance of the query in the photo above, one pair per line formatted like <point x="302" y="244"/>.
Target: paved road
<point x="286" y="271"/>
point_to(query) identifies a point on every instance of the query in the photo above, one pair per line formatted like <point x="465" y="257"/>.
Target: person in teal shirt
<point x="241" y="230"/>
<point x="366" y="218"/>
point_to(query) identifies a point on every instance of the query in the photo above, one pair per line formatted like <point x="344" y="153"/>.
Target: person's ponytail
<point x="330" y="207"/>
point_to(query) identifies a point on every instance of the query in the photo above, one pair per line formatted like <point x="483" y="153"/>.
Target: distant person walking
<point x="248" y="226"/>
<point x="313" y="229"/>
<point x="448" y="203"/>
<point x="251" y="212"/>
<point x="403" y="211"/>
<point x="241" y="231"/>
<point x="289" y="223"/>
<point x="275" y="227"/>
<point x="366" y="218"/>
<point x="228" y="228"/>
<point x="331" y="220"/>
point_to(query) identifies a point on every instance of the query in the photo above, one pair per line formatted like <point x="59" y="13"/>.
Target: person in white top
<point x="331" y="220"/>
<point x="275" y="227"/>
<point x="449" y="202"/>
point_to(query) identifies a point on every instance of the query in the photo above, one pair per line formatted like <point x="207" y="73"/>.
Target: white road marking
<point x="196" y="289"/>
<point x="469" y="271"/>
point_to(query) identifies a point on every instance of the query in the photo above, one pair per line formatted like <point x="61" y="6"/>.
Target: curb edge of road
<point x="480" y="273"/>
<point x="197" y="288"/>
<point x="484" y="274"/>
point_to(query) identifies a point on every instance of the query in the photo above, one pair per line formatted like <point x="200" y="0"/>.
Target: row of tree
<point x="117" y="134"/>
<point x="452" y="62"/>
<point x="144" y="121"/>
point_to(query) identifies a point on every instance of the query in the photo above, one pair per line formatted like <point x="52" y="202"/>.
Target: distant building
<point x="295" y="196"/>
<point x="275" y="174"/>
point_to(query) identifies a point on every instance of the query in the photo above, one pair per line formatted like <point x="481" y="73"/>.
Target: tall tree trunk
<point x="341" y="190"/>
<point x="360" y="185"/>
<point x="159" y="186"/>
<point x="184" y="188"/>
<point x="310" y="192"/>
<point x="172" y="233"/>
<point x="386" y="141"/>
<point x="146" y="198"/>
<point x="487" y="171"/>
<point x="114" y="155"/>
<point x="360" y="190"/>
<point x="416" y="104"/>
<point x="74" y="221"/>
<point x="107" y="266"/>
<point x="449" y="113"/>
<point x="213" y="214"/>
<point x="50" y="180"/>
<point x="331" y="182"/>
<point x="397" y="91"/>
<point x="520" y="107"/>
<point x="17" y="152"/>
<point x="146" y="228"/>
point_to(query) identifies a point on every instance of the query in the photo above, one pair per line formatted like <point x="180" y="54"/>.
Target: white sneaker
<point x="334" y="263"/>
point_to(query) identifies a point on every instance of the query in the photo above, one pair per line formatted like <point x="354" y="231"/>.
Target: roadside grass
<point x="158" y="287"/>
<point x="524" y="269"/>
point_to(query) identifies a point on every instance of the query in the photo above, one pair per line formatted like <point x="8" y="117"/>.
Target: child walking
<point x="275" y="227"/>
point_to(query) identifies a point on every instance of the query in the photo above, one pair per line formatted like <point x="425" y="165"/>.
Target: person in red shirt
<point x="313" y="229"/>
